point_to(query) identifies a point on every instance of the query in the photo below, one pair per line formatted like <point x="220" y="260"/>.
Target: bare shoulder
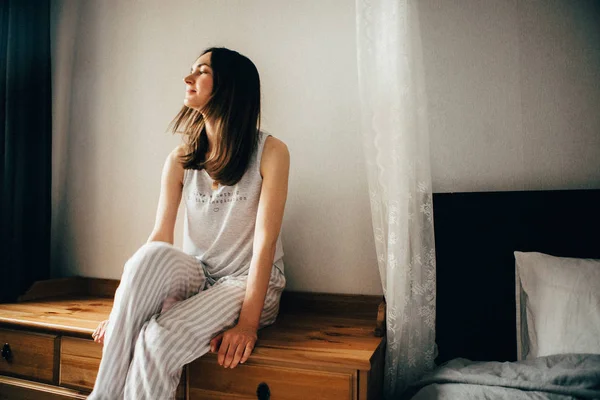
<point x="177" y="152"/>
<point x="275" y="157"/>
<point x="275" y="148"/>
<point x="173" y="170"/>
<point x="174" y="159"/>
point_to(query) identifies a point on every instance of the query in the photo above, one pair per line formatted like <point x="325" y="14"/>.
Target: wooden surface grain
<point x="311" y="338"/>
<point x="19" y="389"/>
<point x="32" y="355"/>
<point x="321" y="345"/>
<point x="79" y="362"/>
<point x="70" y="315"/>
<point x="284" y="383"/>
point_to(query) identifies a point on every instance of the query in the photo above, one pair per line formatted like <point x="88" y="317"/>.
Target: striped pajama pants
<point x="166" y="310"/>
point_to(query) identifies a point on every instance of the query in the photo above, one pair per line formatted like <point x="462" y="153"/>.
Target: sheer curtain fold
<point x="396" y="144"/>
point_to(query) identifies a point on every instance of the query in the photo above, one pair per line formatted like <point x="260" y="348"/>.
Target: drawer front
<point x="33" y="355"/>
<point x="208" y="380"/>
<point x="18" y="389"/>
<point x="79" y="362"/>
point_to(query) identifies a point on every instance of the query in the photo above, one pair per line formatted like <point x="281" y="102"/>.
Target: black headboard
<point x="476" y="235"/>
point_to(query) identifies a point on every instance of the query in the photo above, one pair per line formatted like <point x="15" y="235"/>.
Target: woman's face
<point x="199" y="83"/>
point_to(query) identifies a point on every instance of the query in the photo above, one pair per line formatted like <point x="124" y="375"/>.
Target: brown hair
<point x="234" y="106"/>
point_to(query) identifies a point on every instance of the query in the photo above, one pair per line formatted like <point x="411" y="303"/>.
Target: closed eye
<point x="199" y="67"/>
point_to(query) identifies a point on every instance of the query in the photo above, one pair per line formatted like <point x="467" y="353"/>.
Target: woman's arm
<point x="275" y="165"/>
<point x="238" y="343"/>
<point x="170" y="197"/>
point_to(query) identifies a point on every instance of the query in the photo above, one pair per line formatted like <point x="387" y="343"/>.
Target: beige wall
<point x="512" y="88"/>
<point x="514" y="93"/>
<point x="126" y="85"/>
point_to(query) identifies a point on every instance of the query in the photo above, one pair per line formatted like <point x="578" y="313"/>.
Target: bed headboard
<point x="476" y="234"/>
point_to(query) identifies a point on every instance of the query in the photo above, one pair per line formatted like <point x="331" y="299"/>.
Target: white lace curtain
<point x="396" y="142"/>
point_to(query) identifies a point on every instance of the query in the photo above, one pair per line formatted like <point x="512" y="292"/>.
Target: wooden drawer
<point x="79" y="362"/>
<point x="19" y="389"/>
<point x="208" y="380"/>
<point x="33" y="355"/>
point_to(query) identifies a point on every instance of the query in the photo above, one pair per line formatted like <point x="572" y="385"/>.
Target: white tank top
<point x="219" y="224"/>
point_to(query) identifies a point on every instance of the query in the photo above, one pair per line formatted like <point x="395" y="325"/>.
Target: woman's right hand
<point x="98" y="334"/>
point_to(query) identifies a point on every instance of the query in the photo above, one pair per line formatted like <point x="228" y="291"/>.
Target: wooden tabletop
<point x="307" y="336"/>
<point x="78" y="316"/>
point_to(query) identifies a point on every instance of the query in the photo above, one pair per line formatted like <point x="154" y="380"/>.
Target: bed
<point x="518" y="296"/>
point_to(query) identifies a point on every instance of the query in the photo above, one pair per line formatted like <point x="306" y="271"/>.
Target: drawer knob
<point x="6" y="353"/>
<point x="263" y="392"/>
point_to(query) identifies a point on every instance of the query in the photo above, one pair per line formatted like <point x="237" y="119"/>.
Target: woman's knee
<point x="149" y="259"/>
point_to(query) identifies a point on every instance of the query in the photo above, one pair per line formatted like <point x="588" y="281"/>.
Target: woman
<point x="173" y="306"/>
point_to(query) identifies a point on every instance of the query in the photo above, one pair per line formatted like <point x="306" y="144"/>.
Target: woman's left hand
<point x="235" y="345"/>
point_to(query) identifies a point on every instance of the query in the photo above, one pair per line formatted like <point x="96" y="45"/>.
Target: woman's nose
<point x="188" y="80"/>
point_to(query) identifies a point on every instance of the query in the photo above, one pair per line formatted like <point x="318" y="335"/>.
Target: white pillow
<point x="558" y="305"/>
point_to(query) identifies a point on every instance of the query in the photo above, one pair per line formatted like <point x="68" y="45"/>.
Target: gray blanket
<point x="560" y="377"/>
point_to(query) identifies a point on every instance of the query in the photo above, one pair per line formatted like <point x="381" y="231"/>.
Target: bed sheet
<point x="556" y="377"/>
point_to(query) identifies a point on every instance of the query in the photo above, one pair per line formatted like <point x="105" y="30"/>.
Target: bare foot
<point x="98" y="334"/>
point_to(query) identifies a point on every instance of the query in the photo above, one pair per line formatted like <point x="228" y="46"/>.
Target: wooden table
<point x="323" y="346"/>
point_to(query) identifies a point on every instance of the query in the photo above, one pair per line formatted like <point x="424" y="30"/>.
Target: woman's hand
<point x="234" y="345"/>
<point x="98" y="334"/>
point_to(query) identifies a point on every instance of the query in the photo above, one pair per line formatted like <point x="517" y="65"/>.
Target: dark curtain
<point x="25" y="145"/>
